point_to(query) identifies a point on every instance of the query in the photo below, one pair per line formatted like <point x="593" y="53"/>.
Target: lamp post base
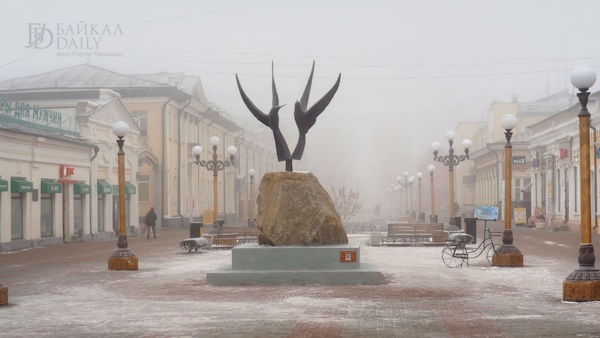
<point x="582" y="285"/>
<point x="3" y="295"/>
<point x="507" y="256"/>
<point x="122" y="258"/>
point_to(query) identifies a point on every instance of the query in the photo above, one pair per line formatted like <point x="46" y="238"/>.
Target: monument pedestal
<point x="337" y="264"/>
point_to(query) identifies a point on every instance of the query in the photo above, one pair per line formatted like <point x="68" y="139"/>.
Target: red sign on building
<point x="66" y="171"/>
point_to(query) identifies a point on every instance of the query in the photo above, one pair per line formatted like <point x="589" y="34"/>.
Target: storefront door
<point x="78" y="212"/>
<point x="47" y="216"/>
<point x="16" y="220"/>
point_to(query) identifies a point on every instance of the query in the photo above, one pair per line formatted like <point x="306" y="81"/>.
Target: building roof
<point x="81" y="76"/>
<point x="73" y="81"/>
<point x="548" y="105"/>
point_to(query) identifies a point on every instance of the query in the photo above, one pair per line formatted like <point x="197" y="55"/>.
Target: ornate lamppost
<point x="122" y="258"/>
<point x="421" y="216"/>
<point x="215" y="165"/>
<point x="508" y="254"/>
<point x="404" y="185"/>
<point x="451" y="161"/>
<point x="251" y="219"/>
<point x="583" y="284"/>
<point x="433" y="216"/>
<point x="411" y="180"/>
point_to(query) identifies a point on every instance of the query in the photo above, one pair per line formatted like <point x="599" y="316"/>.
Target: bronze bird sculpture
<point x="271" y="120"/>
<point x="305" y="118"/>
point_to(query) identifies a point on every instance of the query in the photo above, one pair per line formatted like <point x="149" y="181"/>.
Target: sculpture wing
<point x="319" y="107"/>
<point x="262" y="117"/>
<point x="304" y="99"/>
<point x="275" y="96"/>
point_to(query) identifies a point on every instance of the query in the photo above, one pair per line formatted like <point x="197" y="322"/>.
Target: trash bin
<point x="195" y="229"/>
<point x="458" y="222"/>
<point x="221" y="222"/>
<point x="471" y="227"/>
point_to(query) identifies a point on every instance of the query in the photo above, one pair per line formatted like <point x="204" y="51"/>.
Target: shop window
<point x="101" y="201"/>
<point x="17" y="205"/>
<point x="144" y="188"/>
<point x="78" y="203"/>
<point x="46" y="216"/>
<point x="558" y="190"/>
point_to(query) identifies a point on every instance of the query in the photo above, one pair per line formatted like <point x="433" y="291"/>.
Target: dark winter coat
<point x="151" y="218"/>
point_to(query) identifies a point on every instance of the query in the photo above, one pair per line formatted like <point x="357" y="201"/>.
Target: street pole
<point x="451" y="161"/>
<point x="215" y="165"/>
<point x="122" y="258"/>
<point x="251" y="222"/>
<point x="419" y="176"/>
<point x="508" y="255"/>
<point x="583" y="284"/>
<point x="433" y="216"/>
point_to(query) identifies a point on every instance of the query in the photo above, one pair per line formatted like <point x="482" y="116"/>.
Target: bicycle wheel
<point x="454" y="256"/>
<point x="490" y="255"/>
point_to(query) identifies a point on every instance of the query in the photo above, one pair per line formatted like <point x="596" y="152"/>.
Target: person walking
<point x="151" y="223"/>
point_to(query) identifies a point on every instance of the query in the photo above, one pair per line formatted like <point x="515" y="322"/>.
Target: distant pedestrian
<point x="151" y="223"/>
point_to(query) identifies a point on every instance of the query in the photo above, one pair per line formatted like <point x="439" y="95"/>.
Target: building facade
<point x="60" y="166"/>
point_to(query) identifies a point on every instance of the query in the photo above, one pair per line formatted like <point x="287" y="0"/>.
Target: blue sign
<point x="488" y="213"/>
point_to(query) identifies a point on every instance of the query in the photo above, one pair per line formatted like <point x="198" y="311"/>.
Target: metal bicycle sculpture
<point x="456" y="253"/>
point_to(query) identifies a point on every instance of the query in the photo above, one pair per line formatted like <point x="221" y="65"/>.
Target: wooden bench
<point x="193" y="243"/>
<point x="228" y="237"/>
<point x="405" y="234"/>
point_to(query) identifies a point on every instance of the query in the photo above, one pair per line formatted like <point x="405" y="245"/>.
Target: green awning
<point x="130" y="189"/>
<point x="3" y="185"/>
<point x="82" y="188"/>
<point x="51" y="187"/>
<point x="18" y="186"/>
<point x="104" y="188"/>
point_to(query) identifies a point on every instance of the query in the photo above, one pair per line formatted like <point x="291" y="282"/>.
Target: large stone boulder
<point x="294" y="209"/>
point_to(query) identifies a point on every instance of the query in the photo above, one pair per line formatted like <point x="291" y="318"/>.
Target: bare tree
<point x="346" y="204"/>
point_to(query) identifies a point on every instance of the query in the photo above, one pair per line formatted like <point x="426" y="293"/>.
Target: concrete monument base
<point x="337" y="264"/>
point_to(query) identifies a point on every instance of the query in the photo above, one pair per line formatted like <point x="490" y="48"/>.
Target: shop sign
<point x="518" y="159"/>
<point x="66" y="171"/>
<point x="208" y="216"/>
<point x="24" y="111"/>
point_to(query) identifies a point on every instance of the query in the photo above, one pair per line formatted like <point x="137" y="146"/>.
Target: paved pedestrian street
<point x="68" y="291"/>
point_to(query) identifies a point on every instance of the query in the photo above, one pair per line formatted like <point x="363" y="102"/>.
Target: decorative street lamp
<point x="122" y="258"/>
<point x="508" y="254"/>
<point x="451" y="161"/>
<point x="433" y="216"/>
<point x="583" y="284"/>
<point x="215" y="165"/>
<point x="405" y="187"/>
<point x="411" y="180"/>
<point x="421" y="216"/>
<point x="251" y="219"/>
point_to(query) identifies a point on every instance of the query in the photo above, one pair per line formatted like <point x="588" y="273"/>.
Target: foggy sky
<point x="410" y="70"/>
